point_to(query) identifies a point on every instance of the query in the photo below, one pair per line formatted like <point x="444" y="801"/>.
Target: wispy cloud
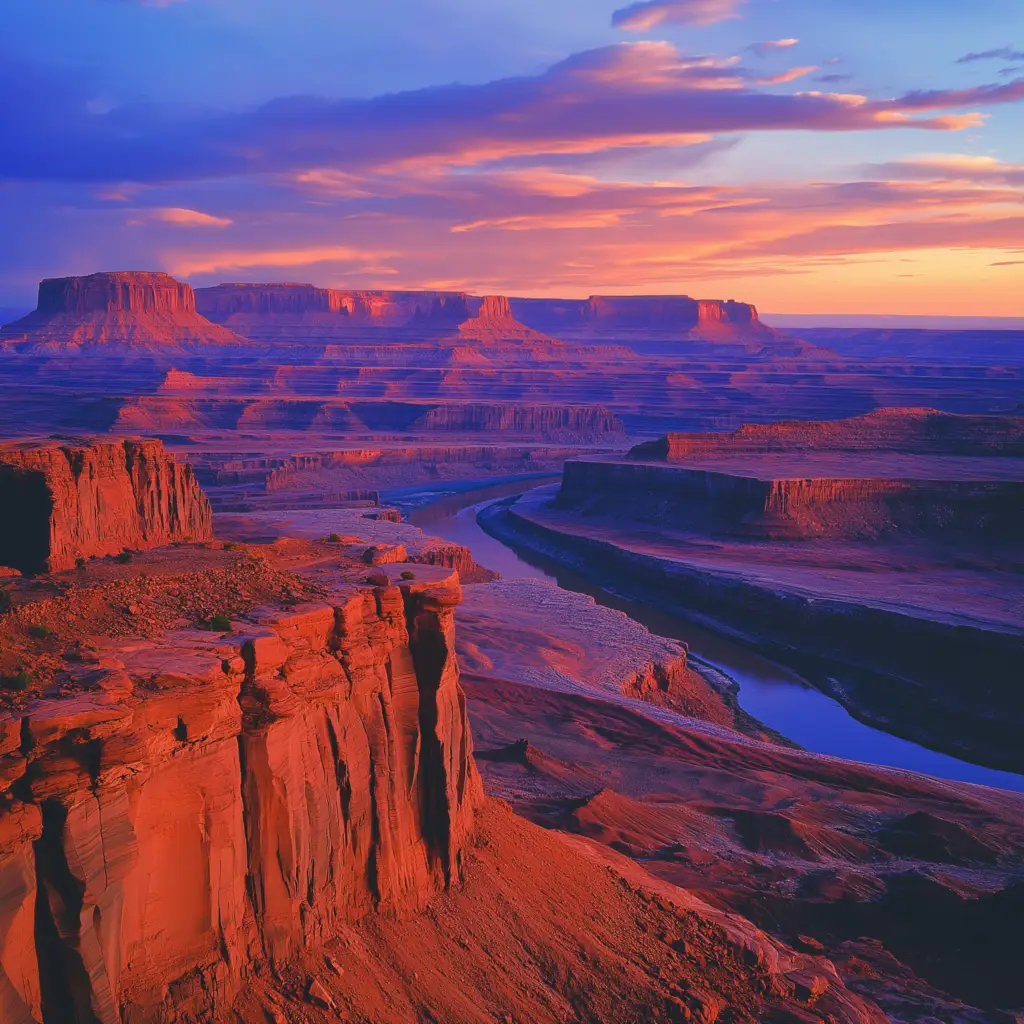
<point x="180" y="217"/>
<point x="218" y="262"/>
<point x="762" y="49"/>
<point x="791" y="75"/>
<point x="1002" y="53"/>
<point x="639" y="17"/>
<point x="632" y="95"/>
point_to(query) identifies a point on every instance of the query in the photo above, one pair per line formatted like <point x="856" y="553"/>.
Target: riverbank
<point x="795" y="632"/>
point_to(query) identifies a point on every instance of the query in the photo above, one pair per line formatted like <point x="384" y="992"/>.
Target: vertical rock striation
<point x="61" y="502"/>
<point x="209" y="807"/>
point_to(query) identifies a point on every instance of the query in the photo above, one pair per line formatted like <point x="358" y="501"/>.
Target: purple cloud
<point x="1002" y="53"/>
<point x="639" y="17"/>
<point x="768" y="46"/>
<point x="642" y="95"/>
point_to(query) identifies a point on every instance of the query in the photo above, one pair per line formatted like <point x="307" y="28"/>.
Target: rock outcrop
<point x="130" y="308"/>
<point x="919" y="431"/>
<point x="197" y="807"/>
<point x="747" y="501"/>
<point x="62" y="502"/>
<point x="494" y="323"/>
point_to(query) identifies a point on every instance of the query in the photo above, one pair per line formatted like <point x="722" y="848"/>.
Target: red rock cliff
<point x="244" y="303"/>
<point x="133" y="291"/>
<point x="208" y="806"/>
<point x="61" y="502"/>
<point x="126" y="307"/>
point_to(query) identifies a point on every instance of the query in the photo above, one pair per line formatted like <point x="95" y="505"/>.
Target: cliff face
<point x="205" y="806"/>
<point x="739" y="503"/>
<point x="128" y="308"/>
<point x="242" y="304"/>
<point x="116" y="293"/>
<point x="59" y="503"/>
<point x="925" y="431"/>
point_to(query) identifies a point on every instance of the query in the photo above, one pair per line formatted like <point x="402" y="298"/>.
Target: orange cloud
<point x="188" y="265"/>
<point x="181" y="218"/>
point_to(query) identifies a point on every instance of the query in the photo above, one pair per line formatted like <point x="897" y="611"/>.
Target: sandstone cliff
<point x="195" y="808"/>
<point x="62" y="502"/>
<point x="124" y="308"/>
<point x="745" y="499"/>
<point x="925" y="431"/>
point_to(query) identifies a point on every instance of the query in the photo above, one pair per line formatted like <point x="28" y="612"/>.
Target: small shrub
<point x="80" y="562"/>
<point x="334" y="538"/>
<point x="16" y="683"/>
<point x="408" y="574"/>
<point x="220" y="624"/>
<point x="5" y="601"/>
<point x="124" y="558"/>
<point x="230" y="545"/>
<point x="40" y="632"/>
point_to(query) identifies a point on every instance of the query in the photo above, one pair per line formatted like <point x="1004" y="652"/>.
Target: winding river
<point x="780" y="698"/>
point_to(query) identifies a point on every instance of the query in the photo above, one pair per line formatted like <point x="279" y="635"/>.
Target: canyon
<point x="269" y="752"/>
<point x="873" y="551"/>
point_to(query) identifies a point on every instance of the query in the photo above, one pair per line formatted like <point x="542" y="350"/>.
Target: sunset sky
<point x="846" y="156"/>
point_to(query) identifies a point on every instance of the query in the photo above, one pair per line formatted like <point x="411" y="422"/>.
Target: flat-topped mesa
<point x="133" y="308"/>
<point x="494" y="322"/>
<point x="119" y="292"/>
<point x="289" y="303"/>
<point x="921" y="431"/>
<point x="60" y="502"/>
<point x="194" y="809"/>
<point x="685" y="317"/>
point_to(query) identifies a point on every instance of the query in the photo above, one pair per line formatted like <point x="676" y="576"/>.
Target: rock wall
<point x="116" y="293"/>
<point x="925" y="431"/>
<point x="689" y="497"/>
<point x="60" y="502"/>
<point x="206" y="807"/>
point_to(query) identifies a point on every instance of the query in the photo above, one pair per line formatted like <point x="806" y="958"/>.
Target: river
<point x="770" y="692"/>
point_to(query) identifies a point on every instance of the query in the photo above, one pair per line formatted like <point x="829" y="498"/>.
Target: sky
<point x="810" y="156"/>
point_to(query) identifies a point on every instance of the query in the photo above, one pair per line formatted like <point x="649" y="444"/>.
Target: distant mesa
<point x="131" y="308"/>
<point x="684" y="317"/>
<point x="294" y="304"/>
<point x="496" y="318"/>
<point x="494" y="322"/>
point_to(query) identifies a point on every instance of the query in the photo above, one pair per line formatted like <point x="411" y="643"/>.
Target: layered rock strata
<point x="919" y="431"/>
<point x="127" y="308"/>
<point x="745" y="501"/>
<point x="197" y="808"/>
<point x="63" y="502"/>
